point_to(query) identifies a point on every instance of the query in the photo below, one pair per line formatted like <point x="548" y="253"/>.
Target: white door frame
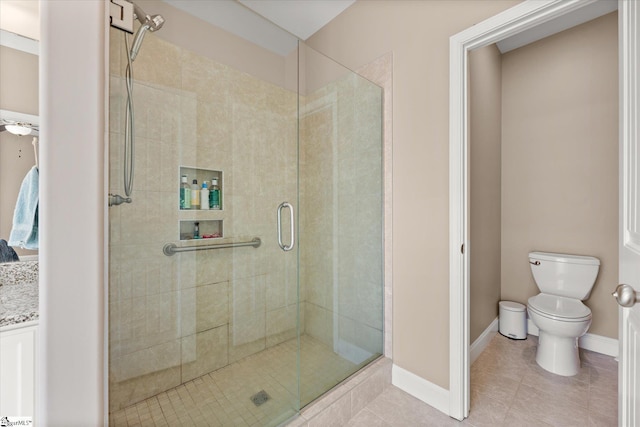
<point x="512" y="21"/>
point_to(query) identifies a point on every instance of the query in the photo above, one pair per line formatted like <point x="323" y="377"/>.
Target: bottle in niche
<point x="196" y="230"/>
<point x="185" y="193"/>
<point x="214" y="194"/>
<point x="195" y="195"/>
<point x="204" y="196"/>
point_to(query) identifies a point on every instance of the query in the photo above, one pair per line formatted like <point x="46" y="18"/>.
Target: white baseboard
<point x="599" y="344"/>
<point x="483" y="341"/>
<point x="418" y="387"/>
<point x="591" y="342"/>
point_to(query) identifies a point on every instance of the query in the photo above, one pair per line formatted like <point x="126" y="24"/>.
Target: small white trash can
<point x="513" y="320"/>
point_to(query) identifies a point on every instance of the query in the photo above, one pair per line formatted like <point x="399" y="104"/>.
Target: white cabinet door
<point x="17" y="371"/>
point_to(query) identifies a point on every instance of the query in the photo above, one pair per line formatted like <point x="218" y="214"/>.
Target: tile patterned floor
<point x="222" y="397"/>
<point x="508" y="388"/>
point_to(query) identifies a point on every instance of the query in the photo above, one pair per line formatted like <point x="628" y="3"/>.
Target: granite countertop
<point x="18" y="292"/>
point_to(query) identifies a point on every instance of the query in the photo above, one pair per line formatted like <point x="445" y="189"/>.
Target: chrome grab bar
<point x="171" y="248"/>
<point x="293" y="235"/>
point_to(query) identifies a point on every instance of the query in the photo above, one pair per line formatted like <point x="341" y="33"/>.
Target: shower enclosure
<point x="210" y="328"/>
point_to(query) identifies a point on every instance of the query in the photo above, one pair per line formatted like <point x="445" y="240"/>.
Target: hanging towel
<point x="25" y="216"/>
<point x="7" y="254"/>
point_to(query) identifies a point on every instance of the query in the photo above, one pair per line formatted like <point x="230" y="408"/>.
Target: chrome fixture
<point x="116" y="199"/>
<point x="171" y="248"/>
<point x="149" y="23"/>
<point x="284" y="247"/>
<point x="626" y="295"/>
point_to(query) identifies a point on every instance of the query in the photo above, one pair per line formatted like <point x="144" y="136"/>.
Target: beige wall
<point x="485" y="129"/>
<point x="418" y="34"/>
<point x="560" y="159"/>
<point x="18" y="93"/>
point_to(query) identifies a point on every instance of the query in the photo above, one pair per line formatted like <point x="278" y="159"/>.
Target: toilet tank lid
<point x="570" y="259"/>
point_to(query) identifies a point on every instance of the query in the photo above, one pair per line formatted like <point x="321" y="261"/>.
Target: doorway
<point x="516" y="20"/>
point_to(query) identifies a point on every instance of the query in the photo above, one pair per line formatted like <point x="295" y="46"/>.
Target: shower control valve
<point x="116" y="199"/>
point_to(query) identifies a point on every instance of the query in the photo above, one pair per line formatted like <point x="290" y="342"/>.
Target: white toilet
<point x="558" y="311"/>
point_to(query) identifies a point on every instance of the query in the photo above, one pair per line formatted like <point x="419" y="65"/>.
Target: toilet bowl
<point x="559" y="331"/>
<point x="558" y="311"/>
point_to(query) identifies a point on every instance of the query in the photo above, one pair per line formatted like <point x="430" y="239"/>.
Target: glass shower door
<point x="341" y="226"/>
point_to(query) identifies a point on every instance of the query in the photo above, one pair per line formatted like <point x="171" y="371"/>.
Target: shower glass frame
<point x="309" y="317"/>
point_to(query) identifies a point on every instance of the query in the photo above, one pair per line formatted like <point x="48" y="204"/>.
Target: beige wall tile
<point x="338" y="414"/>
<point x="123" y="393"/>
<point x="281" y="324"/>
<point x="146" y="361"/>
<point x="365" y="392"/>
<point x="212" y="306"/>
<point x="319" y="323"/>
<point x="211" y="352"/>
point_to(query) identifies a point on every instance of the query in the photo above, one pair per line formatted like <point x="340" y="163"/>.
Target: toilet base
<point x="558" y="355"/>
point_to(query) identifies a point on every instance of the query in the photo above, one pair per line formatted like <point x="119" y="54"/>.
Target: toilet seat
<point x="559" y="308"/>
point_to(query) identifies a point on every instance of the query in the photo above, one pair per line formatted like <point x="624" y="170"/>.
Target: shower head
<point x="149" y="23"/>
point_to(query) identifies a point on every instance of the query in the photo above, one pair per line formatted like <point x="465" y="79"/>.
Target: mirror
<point x="19" y="26"/>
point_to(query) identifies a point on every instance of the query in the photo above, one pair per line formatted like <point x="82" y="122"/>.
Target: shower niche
<point x="194" y="229"/>
<point x="202" y="175"/>
<point x="197" y="223"/>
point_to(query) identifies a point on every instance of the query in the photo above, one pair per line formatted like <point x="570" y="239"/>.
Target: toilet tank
<point x="571" y="276"/>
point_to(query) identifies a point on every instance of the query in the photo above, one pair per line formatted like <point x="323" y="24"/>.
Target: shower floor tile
<point x="223" y="397"/>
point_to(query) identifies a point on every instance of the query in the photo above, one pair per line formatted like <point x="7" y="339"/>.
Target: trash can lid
<point x="512" y="306"/>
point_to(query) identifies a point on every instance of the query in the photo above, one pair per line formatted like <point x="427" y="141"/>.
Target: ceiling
<point x="564" y="22"/>
<point x="254" y="20"/>
<point x="302" y="18"/>
<point x="20" y="17"/>
<point x="250" y="19"/>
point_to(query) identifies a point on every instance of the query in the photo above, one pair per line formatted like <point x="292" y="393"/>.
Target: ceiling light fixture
<point x="19" y="129"/>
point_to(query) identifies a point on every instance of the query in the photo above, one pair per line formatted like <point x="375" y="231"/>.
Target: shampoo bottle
<point x="204" y="196"/>
<point x="214" y="194"/>
<point x="195" y="195"/>
<point x="185" y="193"/>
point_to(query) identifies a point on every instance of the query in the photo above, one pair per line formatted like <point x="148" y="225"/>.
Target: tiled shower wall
<point x="175" y="318"/>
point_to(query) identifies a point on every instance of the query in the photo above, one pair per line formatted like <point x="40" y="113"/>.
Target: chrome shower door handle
<point x="293" y="235"/>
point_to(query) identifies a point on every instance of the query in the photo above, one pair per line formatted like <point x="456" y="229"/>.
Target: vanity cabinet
<point x="17" y="369"/>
